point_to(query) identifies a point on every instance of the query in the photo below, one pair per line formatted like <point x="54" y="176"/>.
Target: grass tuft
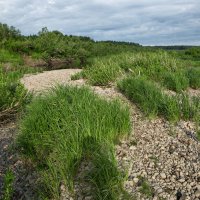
<point x="175" y="81"/>
<point x="102" y="71"/>
<point x="8" y="185"/>
<point x="193" y="75"/>
<point x="148" y="96"/>
<point x="61" y="128"/>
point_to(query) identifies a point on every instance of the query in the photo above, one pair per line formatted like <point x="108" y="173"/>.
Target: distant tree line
<point x="176" y="47"/>
<point x="54" y="44"/>
<point x="76" y="50"/>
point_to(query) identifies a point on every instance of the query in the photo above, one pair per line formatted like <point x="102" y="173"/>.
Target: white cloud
<point x="144" y="21"/>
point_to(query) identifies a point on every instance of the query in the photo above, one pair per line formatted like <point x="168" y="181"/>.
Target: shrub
<point x="61" y="128"/>
<point x="13" y="94"/>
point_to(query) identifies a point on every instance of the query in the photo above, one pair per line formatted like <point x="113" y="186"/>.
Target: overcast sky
<point x="148" y="22"/>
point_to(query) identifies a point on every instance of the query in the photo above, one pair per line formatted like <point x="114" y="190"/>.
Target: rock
<point x="159" y="191"/>
<point x="135" y="180"/>
<point x="182" y="180"/>
<point x="163" y="175"/>
<point x="197" y="193"/>
<point x="133" y="148"/>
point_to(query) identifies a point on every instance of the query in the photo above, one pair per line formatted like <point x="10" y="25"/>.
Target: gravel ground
<point x="25" y="177"/>
<point x="47" y="79"/>
<point x="161" y="159"/>
<point x="161" y="155"/>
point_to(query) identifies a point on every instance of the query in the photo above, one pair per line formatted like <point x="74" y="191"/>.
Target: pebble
<point x="163" y="175"/>
<point x="135" y="180"/>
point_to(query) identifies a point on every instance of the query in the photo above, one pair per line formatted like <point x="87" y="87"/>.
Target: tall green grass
<point x="176" y="81"/>
<point x="103" y="71"/>
<point x="153" y="102"/>
<point x="10" y="57"/>
<point x="67" y="125"/>
<point x="193" y="75"/>
<point x="157" y="66"/>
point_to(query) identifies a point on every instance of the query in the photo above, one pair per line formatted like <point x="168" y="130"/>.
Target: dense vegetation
<point x="67" y="125"/>
<point x="158" y="66"/>
<point x="153" y="101"/>
<point x="46" y="49"/>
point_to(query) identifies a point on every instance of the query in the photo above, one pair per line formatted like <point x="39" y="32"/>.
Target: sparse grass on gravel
<point x="69" y="124"/>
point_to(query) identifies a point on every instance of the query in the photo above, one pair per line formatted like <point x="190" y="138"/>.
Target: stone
<point x="163" y="175"/>
<point x="159" y="190"/>
<point x="135" y="180"/>
<point x="197" y="193"/>
<point x="182" y="180"/>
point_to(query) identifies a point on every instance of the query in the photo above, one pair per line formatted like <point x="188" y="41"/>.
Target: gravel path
<point x="48" y="79"/>
<point x="162" y="160"/>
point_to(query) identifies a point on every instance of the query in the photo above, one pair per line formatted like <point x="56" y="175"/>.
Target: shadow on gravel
<point x="24" y="186"/>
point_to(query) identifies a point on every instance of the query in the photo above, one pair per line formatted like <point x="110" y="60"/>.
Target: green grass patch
<point x="193" y="75"/>
<point x="154" y="65"/>
<point x="102" y="72"/>
<point x="149" y="97"/>
<point x="146" y="95"/>
<point x="69" y="124"/>
<point x="10" y="57"/>
<point x="8" y="185"/>
<point x="175" y="81"/>
<point x="78" y="76"/>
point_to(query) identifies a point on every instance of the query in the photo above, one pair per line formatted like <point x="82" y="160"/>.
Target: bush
<point x="80" y="121"/>
<point x="13" y="94"/>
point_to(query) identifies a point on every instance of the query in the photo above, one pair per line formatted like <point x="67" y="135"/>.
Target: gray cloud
<point x="155" y="22"/>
